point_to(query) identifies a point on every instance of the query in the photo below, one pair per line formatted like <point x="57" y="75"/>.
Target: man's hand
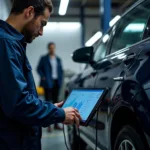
<point x="72" y="116"/>
<point x="59" y="104"/>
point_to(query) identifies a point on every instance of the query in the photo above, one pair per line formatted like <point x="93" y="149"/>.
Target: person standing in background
<point x="51" y="74"/>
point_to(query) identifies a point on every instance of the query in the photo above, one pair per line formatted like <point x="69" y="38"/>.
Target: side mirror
<point x="83" y="55"/>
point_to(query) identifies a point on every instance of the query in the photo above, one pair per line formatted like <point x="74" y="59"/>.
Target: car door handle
<point x="118" y="78"/>
<point x="127" y="60"/>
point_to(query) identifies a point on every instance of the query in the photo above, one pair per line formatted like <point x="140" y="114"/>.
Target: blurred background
<point x="71" y="29"/>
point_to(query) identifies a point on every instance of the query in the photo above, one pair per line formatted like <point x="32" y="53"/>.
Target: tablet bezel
<point x="105" y="90"/>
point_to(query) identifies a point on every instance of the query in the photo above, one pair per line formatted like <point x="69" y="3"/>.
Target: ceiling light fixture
<point x="114" y="20"/>
<point x="93" y="39"/>
<point x="63" y="7"/>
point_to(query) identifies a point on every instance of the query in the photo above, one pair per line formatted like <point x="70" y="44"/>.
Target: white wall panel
<point x="67" y="38"/>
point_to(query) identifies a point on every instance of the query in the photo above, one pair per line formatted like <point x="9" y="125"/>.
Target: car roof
<point x="133" y="6"/>
<point x="128" y="10"/>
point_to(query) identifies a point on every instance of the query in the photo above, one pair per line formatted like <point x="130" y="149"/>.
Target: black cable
<point x="96" y="142"/>
<point x="65" y="138"/>
<point x="79" y="137"/>
<point x="96" y="130"/>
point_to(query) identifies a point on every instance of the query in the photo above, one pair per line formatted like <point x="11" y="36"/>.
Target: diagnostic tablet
<point x="86" y="101"/>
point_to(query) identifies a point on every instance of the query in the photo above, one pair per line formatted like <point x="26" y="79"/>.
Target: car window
<point x="101" y="49"/>
<point x="131" y="27"/>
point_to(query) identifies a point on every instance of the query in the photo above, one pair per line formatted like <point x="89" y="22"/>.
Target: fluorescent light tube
<point x="114" y="20"/>
<point x="105" y="38"/>
<point x="93" y="39"/>
<point x="63" y="25"/>
<point x="63" y="7"/>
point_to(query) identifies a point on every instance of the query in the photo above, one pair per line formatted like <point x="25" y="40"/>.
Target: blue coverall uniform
<point x="22" y="113"/>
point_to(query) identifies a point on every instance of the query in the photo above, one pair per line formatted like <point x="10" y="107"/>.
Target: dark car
<point x="121" y="62"/>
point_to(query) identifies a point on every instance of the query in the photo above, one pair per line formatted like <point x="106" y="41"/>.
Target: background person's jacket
<point x="45" y="71"/>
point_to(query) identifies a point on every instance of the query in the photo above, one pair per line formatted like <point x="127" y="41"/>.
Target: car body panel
<point x="127" y="76"/>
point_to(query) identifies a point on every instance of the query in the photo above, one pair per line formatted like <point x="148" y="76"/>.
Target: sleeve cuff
<point x="59" y="116"/>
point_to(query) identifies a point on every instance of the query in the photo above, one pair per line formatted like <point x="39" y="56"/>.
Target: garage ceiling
<point x="89" y="3"/>
<point x="91" y="8"/>
<point x="118" y="7"/>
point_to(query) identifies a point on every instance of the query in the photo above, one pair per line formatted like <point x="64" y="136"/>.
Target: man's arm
<point x="15" y="99"/>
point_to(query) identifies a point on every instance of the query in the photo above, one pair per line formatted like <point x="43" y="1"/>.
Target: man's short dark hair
<point x="50" y="43"/>
<point x="39" y="6"/>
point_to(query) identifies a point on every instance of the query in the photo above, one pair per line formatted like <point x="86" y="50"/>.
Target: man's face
<point x="52" y="49"/>
<point x="35" y="27"/>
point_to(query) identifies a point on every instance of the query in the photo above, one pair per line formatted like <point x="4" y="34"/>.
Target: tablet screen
<point x="84" y="100"/>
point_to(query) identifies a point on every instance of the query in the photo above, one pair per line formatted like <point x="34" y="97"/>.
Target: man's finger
<point x="76" y="110"/>
<point x="78" y="115"/>
<point x="59" y="104"/>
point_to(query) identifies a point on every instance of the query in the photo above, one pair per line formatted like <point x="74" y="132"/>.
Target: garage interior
<point x="69" y="31"/>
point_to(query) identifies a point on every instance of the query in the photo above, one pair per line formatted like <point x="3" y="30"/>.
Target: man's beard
<point x="27" y="35"/>
<point x="28" y="32"/>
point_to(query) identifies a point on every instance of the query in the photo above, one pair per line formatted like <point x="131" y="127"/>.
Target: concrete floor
<point x="54" y="140"/>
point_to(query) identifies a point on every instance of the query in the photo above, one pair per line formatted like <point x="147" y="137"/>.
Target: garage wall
<point x="67" y="38"/>
<point x="92" y="25"/>
<point x="5" y="6"/>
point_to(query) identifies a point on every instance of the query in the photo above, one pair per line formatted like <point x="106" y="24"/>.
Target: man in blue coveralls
<point x="22" y="113"/>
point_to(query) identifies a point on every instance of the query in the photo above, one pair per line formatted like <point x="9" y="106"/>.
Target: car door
<point x="124" y="47"/>
<point x="87" y="79"/>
